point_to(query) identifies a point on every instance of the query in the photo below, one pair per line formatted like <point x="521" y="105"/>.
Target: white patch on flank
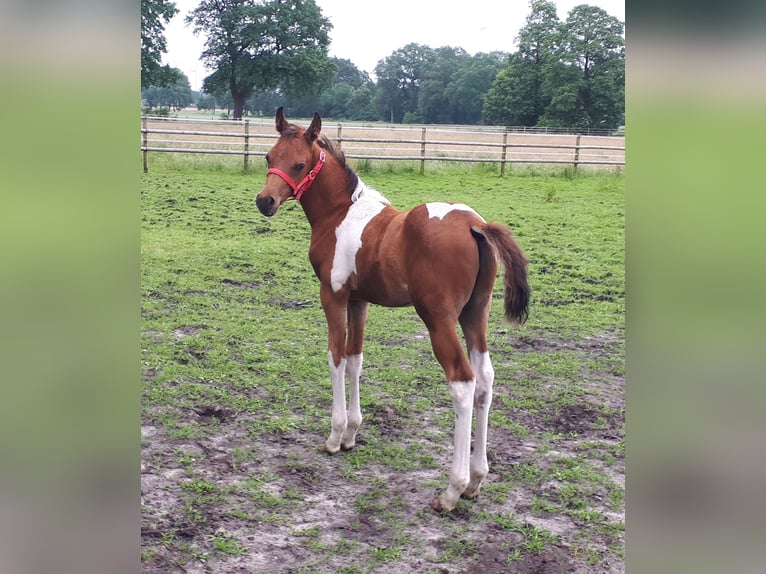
<point x="440" y="209"/>
<point x="348" y="235"/>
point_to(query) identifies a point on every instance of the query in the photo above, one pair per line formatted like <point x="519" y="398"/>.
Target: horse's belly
<point x="383" y="292"/>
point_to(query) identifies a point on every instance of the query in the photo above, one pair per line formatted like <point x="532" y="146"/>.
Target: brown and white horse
<point x="442" y="258"/>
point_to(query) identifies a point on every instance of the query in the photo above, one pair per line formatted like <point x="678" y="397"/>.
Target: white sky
<point x="366" y="32"/>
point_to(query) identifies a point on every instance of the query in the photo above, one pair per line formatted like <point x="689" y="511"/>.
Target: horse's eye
<point x="299" y="166"/>
<point x="268" y="161"/>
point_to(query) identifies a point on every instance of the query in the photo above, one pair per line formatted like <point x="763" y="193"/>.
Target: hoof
<point x="347" y="446"/>
<point x="332" y="449"/>
<point x="470" y="495"/>
<point x="439" y="507"/>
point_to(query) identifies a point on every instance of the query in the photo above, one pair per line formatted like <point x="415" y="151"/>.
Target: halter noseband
<point x="306" y="182"/>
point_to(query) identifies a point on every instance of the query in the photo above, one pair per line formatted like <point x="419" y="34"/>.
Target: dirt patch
<point x="188" y="331"/>
<point x="290" y="304"/>
<point x="494" y="560"/>
<point x="598" y="345"/>
<point x="218" y="497"/>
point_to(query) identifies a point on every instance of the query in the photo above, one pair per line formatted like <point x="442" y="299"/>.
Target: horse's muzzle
<point x="267" y="205"/>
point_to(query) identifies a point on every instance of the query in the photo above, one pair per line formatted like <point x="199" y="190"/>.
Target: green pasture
<point x="236" y="392"/>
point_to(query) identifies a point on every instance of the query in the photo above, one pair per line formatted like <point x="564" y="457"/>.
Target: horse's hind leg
<point x="448" y="351"/>
<point x="474" y="326"/>
<point x="357" y="316"/>
<point x="473" y="320"/>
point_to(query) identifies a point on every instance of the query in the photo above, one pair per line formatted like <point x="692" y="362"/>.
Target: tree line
<point x="267" y="53"/>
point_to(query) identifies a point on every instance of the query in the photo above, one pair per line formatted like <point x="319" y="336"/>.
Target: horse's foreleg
<point x="339" y="419"/>
<point x="354" y="413"/>
<point x="357" y="316"/>
<point x="335" y="313"/>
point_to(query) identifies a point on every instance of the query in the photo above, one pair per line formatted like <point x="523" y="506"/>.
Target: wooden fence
<point x="393" y="143"/>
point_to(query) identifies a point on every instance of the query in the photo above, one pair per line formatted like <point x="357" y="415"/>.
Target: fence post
<point x="145" y="140"/>
<point x="505" y="147"/>
<point x="577" y="153"/>
<point x="247" y="145"/>
<point x="422" y="151"/>
<point x="340" y="136"/>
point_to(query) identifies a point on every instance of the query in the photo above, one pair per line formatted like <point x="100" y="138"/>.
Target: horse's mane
<point x="328" y="145"/>
<point x="291" y="131"/>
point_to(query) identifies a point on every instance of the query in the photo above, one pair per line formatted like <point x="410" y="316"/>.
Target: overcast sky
<point x="366" y="32"/>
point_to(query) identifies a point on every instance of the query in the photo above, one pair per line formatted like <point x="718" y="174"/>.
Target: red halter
<point x="305" y="182"/>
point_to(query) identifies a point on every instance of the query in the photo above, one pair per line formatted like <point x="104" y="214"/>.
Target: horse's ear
<point x="312" y="132"/>
<point x="281" y="121"/>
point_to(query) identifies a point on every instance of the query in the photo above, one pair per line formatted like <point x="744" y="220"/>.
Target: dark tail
<point x="512" y="257"/>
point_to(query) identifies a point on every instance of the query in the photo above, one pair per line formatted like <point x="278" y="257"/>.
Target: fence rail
<point x="503" y="146"/>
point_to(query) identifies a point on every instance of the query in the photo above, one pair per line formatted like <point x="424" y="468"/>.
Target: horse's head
<point x="292" y="159"/>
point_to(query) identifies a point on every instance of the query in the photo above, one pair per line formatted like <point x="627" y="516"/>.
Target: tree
<point x="347" y="72"/>
<point x="206" y="102"/>
<point x="154" y="15"/>
<point x="433" y="105"/>
<point x="175" y="94"/>
<point x="399" y="78"/>
<point x="591" y="92"/>
<point x="518" y="96"/>
<point x="468" y="87"/>
<point x="569" y="74"/>
<point x="361" y="105"/>
<point x="262" y="45"/>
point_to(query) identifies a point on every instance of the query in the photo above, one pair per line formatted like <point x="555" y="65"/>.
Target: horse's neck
<point x="328" y="198"/>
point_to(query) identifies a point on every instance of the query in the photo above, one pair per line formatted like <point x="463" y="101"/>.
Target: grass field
<point x="236" y="391"/>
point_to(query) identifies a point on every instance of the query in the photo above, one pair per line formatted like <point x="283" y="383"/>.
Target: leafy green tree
<point x="569" y="74"/>
<point x="155" y="14"/>
<point x="468" y="87"/>
<point x="261" y="45"/>
<point x="347" y="72"/>
<point x="399" y="78"/>
<point x="518" y="95"/>
<point x="335" y="101"/>
<point x="265" y="103"/>
<point x="350" y="87"/>
<point x="206" y="102"/>
<point x="433" y="105"/>
<point x="591" y="93"/>
<point x="176" y="93"/>
<point x="361" y="104"/>
<point x="443" y="85"/>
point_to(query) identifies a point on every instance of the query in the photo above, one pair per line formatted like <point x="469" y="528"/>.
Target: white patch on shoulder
<point x="348" y="236"/>
<point x="440" y="209"/>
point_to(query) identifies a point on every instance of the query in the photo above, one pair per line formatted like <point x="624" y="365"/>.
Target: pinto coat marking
<point x="348" y="235"/>
<point x="440" y="257"/>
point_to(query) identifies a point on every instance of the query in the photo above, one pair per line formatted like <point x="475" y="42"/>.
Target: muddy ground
<point x="231" y="500"/>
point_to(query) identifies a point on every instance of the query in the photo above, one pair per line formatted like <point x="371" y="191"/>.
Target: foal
<point x="441" y="258"/>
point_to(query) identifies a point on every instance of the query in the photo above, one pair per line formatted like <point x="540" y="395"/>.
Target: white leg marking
<point x="337" y="375"/>
<point x="354" y="369"/>
<point x="485" y="377"/>
<point x="462" y="399"/>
